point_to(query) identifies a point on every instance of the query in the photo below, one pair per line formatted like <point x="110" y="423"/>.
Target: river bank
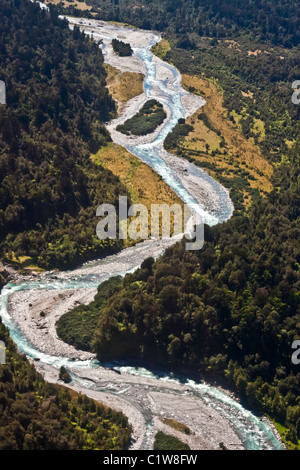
<point x="138" y="393"/>
<point x="35" y="304"/>
<point x="162" y="82"/>
<point x="144" y="400"/>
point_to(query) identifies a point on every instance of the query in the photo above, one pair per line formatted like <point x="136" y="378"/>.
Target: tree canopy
<point x="57" y="102"/>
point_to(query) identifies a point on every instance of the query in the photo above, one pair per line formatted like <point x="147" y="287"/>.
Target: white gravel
<point x="140" y="398"/>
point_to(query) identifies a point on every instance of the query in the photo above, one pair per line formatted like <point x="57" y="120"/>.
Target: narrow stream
<point x="254" y="433"/>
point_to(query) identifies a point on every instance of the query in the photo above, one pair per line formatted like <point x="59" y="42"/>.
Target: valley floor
<point x="143" y="399"/>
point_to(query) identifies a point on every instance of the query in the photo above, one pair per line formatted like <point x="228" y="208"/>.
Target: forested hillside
<point x="254" y="82"/>
<point x="36" y="415"/>
<point x="277" y="21"/>
<point x="49" y="191"/>
<point x="232" y="309"/>
<point x="56" y="104"/>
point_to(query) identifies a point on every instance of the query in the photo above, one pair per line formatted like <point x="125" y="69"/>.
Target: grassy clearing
<point x="161" y="48"/>
<point x="123" y="86"/>
<point x="22" y="263"/>
<point x="217" y="144"/>
<point x="259" y="130"/>
<point x="119" y="23"/>
<point x="284" y="433"/>
<point x="75" y="3"/>
<point x="166" y="442"/>
<point x="144" y="184"/>
<point x="176" y="425"/>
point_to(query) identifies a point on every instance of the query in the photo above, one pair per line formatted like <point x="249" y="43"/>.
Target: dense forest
<point x="49" y="191"/>
<point x="166" y="442"/>
<point x="77" y="326"/>
<point x="256" y="91"/>
<point x="147" y="119"/>
<point x="267" y="74"/>
<point x="277" y="21"/>
<point x="231" y="310"/>
<point x="56" y="105"/>
<point x="121" y="48"/>
<point x="36" y="415"/>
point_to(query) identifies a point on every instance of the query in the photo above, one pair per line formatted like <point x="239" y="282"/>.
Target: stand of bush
<point x="150" y="116"/>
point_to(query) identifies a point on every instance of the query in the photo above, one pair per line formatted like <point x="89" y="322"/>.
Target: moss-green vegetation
<point x="121" y="48"/>
<point x="173" y="138"/>
<point x="289" y="436"/>
<point x="265" y="114"/>
<point x="150" y="116"/>
<point x="166" y="442"/>
<point x="237" y="178"/>
<point x="36" y="415"/>
<point x="64" y="375"/>
<point x="123" y="86"/>
<point x="176" y="425"/>
<point x="231" y="309"/>
<point x="56" y="103"/>
<point x="161" y="48"/>
<point x="78" y="326"/>
<point x="216" y="20"/>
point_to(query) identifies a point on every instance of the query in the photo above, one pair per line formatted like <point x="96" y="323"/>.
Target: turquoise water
<point x="153" y="152"/>
<point x="254" y="433"/>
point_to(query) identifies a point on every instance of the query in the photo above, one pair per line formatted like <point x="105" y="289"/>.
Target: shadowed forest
<point x="231" y="310"/>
